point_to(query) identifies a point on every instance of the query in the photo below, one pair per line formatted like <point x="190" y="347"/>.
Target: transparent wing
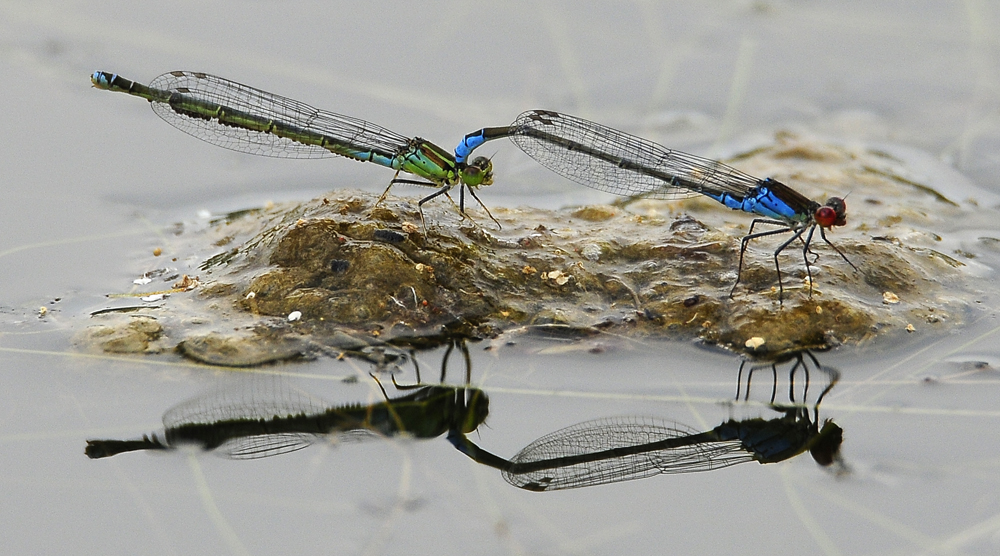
<point x="616" y="162"/>
<point x="618" y="449"/>
<point x="198" y="96"/>
<point x="251" y="398"/>
<point x="262" y="416"/>
<point x="265" y="445"/>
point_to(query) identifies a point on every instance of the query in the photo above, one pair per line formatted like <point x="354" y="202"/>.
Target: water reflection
<point x="249" y="431"/>
<point x="800" y="362"/>
<point x="255" y="423"/>
<point x="611" y="450"/>
<point x="262" y="420"/>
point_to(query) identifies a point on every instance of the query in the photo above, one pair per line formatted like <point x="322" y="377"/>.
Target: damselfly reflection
<point x="617" y="449"/>
<point x="800" y="363"/>
<point x="259" y="422"/>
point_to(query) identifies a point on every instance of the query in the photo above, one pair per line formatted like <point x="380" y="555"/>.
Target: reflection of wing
<point x="255" y="397"/>
<point x="261" y="416"/>
<point x="355" y="435"/>
<point x="265" y="445"/>
<point x="618" y="449"/>
<point x="701" y="457"/>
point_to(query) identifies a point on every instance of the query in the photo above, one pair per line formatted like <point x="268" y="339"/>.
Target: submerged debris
<point x="122" y="334"/>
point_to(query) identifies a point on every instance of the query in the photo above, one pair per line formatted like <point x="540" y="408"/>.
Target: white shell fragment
<point x="755" y="342"/>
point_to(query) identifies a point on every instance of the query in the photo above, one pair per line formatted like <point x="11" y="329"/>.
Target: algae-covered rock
<point x="242" y="350"/>
<point x="339" y="266"/>
<point x="122" y="334"/>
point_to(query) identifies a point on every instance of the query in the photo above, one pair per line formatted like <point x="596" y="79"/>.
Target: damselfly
<point x="251" y="425"/>
<point x="617" y="449"/>
<point x="249" y="120"/>
<point x="616" y="162"/>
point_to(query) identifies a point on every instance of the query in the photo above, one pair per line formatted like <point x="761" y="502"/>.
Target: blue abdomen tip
<point x="102" y="79"/>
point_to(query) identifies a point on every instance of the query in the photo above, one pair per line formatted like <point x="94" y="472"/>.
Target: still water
<point x="93" y="185"/>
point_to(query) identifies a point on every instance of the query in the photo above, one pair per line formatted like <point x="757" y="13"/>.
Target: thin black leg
<point x="464" y="346"/>
<point x="834" y="378"/>
<point x="750" y="235"/>
<point x="805" y="368"/>
<point x="791" y="379"/>
<point x="774" y="384"/>
<point x="822" y="234"/>
<point x="805" y="258"/>
<point x="444" y="361"/>
<point x="476" y="197"/>
<point x="416" y="365"/>
<point x="386" y="192"/>
<point x="777" y="266"/>
<point x="739" y="380"/>
<point x="420" y="204"/>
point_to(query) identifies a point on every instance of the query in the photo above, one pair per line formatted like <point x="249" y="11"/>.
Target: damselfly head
<point x="477" y="407"/>
<point x="833" y="213"/>
<point x="825" y="448"/>
<point x="478" y="172"/>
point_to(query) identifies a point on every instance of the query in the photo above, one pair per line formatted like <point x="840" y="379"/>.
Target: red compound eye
<point x="825" y="216"/>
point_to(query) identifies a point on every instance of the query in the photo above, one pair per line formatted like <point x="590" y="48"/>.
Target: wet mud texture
<point x="339" y="273"/>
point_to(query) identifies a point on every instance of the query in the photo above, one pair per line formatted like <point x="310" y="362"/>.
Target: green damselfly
<point x="242" y="118"/>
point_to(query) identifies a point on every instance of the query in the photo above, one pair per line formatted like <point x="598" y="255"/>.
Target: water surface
<point x="94" y="182"/>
